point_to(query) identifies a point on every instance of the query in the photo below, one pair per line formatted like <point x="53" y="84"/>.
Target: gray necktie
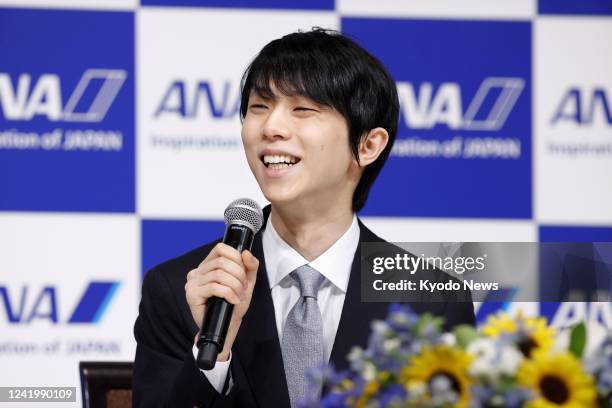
<point x="302" y="344"/>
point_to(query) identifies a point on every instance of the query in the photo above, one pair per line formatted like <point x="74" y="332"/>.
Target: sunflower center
<point x="454" y="383"/>
<point x="554" y="390"/>
<point x="527" y="346"/>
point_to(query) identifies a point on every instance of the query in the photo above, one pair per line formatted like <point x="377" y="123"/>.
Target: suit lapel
<point x="354" y="326"/>
<point x="257" y="346"/>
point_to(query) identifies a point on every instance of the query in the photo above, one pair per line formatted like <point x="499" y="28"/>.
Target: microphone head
<point x="244" y="211"/>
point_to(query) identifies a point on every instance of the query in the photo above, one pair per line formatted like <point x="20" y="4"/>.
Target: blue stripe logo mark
<point x="94" y="302"/>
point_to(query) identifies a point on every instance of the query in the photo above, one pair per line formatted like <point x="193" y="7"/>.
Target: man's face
<point x="299" y="151"/>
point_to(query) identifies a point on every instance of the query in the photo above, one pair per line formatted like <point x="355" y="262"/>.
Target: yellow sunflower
<point x="558" y="381"/>
<point x="441" y="361"/>
<point x="539" y="335"/>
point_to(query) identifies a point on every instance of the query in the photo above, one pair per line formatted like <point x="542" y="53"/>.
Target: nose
<point x="276" y="125"/>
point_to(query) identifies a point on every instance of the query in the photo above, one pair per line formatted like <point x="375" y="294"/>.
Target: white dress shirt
<point x="281" y="259"/>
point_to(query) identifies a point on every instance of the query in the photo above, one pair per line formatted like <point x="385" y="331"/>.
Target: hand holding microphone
<point x="219" y="290"/>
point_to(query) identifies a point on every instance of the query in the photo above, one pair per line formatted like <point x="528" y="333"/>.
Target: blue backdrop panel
<point x="550" y="233"/>
<point x="65" y="74"/>
<point x="261" y="4"/>
<point x="165" y="239"/>
<point x="594" y="7"/>
<point x="457" y="60"/>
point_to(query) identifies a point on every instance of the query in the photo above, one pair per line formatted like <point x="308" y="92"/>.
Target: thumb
<point x="252" y="264"/>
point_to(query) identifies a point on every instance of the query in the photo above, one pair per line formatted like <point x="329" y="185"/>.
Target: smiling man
<point x="319" y="118"/>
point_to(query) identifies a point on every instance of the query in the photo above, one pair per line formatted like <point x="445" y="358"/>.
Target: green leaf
<point x="578" y="340"/>
<point x="465" y="334"/>
<point x="428" y="319"/>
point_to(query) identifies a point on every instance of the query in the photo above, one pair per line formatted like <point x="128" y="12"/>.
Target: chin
<point x="279" y="198"/>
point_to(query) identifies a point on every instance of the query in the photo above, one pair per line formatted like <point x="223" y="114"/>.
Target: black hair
<point x="332" y="70"/>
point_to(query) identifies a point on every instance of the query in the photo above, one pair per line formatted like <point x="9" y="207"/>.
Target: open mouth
<point x="281" y="161"/>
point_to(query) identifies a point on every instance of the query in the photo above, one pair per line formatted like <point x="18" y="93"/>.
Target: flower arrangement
<point x="509" y="362"/>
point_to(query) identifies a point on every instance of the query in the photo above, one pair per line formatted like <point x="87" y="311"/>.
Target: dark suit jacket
<point x="165" y="373"/>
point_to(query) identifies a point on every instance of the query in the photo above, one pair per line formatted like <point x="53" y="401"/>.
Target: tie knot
<point x="309" y="280"/>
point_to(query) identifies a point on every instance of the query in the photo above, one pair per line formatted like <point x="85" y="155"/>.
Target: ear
<point x="372" y="145"/>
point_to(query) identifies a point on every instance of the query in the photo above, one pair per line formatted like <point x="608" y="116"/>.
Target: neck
<point x="311" y="233"/>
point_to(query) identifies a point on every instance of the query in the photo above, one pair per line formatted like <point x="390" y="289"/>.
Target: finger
<point x="252" y="264"/>
<point x="236" y="270"/>
<point x="192" y="294"/>
<point x="192" y="273"/>
<point x="220" y="262"/>
<point x="249" y="260"/>
<point x="226" y="251"/>
<point x="199" y="295"/>
<point x="224" y="278"/>
<point x="193" y="287"/>
<point x="223" y="264"/>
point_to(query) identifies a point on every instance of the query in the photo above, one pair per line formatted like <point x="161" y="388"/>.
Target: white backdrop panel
<point x="452" y="230"/>
<point x="190" y="162"/>
<point x="475" y="9"/>
<point x="46" y="257"/>
<point x="573" y="135"/>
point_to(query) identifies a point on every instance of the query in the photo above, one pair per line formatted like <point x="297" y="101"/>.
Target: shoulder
<point x="454" y="305"/>
<point x="366" y="234"/>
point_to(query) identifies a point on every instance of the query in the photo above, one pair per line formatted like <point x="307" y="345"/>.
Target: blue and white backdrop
<point x="120" y="144"/>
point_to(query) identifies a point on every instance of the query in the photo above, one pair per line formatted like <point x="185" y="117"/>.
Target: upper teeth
<point x="268" y="159"/>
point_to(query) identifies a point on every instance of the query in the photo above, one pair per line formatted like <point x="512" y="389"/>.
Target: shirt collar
<point x="334" y="264"/>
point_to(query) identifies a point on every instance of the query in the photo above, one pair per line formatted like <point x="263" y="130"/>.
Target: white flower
<point x="562" y="340"/>
<point x="355" y="354"/>
<point x="380" y="327"/>
<point x="448" y="339"/>
<point x="483" y="350"/>
<point x="369" y="371"/>
<point x="391" y="344"/>
<point x="480" y="368"/>
<point x="491" y="360"/>
<point x="596" y="334"/>
<point x="509" y="360"/>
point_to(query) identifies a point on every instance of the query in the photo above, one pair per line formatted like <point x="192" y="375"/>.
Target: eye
<point x="257" y="106"/>
<point x="305" y="109"/>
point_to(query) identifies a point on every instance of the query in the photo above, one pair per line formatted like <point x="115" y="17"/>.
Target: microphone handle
<point x="218" y="311"/>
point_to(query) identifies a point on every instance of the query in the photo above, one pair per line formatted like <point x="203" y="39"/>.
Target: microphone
<point x="243" y="219"/>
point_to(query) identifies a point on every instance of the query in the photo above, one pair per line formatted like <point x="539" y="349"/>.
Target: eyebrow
<point x="261" y="96"/>
<point x="274" y="97"/>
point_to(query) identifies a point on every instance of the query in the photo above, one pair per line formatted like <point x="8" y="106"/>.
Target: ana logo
<point x="44" y="97"/>
<point x="568" y="314"/>
<point x="562" y="315"/>
<point x="29" y="305"/>
<point x="188" y="100"/>
<point x="584" y="107"/>
<point x="429" y="107"/>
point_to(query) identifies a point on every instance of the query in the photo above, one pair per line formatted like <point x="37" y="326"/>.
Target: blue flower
<point x="335" y="400"/>
<point x="392" y="394"/>
<point x="490" y="396"/>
